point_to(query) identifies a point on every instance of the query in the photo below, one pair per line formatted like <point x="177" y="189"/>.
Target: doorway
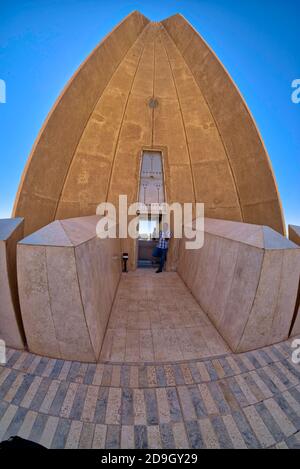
<point x="152" y="196"/>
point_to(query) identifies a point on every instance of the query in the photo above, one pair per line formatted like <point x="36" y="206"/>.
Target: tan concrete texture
<point x="245" y="278"/>
<point x="49" y="163"/>
<point x="245" y="152"/>
<point x="11" y="328"/>
<point x="89" y="150"/>
<point x="67" y="282"/>
<point x="296" y="326"/>
<point x="294" y="234"/>
<point x="155" y="320"/>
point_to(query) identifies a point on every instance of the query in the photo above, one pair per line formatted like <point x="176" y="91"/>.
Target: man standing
<point x="163" y="245"/>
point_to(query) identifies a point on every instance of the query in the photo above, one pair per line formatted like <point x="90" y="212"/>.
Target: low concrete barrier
<point x="11" y="328"/>
<point x="67" y="282"/>
<point x="246" y="280"/>
<point x="294" y="234"/>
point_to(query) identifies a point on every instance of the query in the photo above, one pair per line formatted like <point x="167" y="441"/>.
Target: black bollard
<point x="125" y="259"/>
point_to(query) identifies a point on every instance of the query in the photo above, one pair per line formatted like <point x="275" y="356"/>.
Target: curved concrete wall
<point x="67" y="280"/>
<point x="245" y="278"/>
<point x="89" y="150"/>
<point x="52" y="154"/>
<point x="11" y="328"/>
<point x="247" y="157"/>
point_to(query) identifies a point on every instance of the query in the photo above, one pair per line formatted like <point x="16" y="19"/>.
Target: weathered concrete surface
<point x="53" y="152"/>
<point x="294" y="234"/>
<point x="296" y="326"/>
<point x="246" y="280"/>
<point x="243" y="146"/>
<point x="89" y="150"/>
<point x="11" y="329"/>
<point x="67" y="282"/>
<point x="156" y="319"/>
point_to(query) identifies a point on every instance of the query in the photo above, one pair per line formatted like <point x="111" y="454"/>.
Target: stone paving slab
<point x="143" y="330"/>
<point x="250" y="400"/>
<point x="276" y="360"/>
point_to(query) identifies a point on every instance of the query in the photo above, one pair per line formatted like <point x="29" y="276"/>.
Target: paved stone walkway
<point x="250" y="400"/>
<point x="156" y="318"/>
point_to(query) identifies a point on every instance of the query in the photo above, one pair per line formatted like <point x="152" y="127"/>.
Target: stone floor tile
<point x="38" y="428"/>
<point x="180" y="436"/>
<point x="174" y="405"/>
<point x="127" y="413"/>
<point x="15" y="423"/>
<point x="127" y="437"/>
<point x="27" y="424"/>
<point x="209" y="402"/>
<point x="281" y="445"/>
<point x="115" y="377"/>
<point x="236" y="437"/>
<point x="133" y="377"/>
<point x="87" y="436"/>
<point x="64" y="371"/>
<point x="246" y="431"/>
<point x="154" y="438"/>
<point x="13" y="387"/>
<point x="251" y="399"/>
<point x="7" y="383"/>
<point x="31" y="391"/>
<point x="194" y="435"/>
<point x="49" y="431"/>
<point x="73" y="437"/>
<point x="151" y="406"/>
<point x="221" y="432"/>
<point x="140" y="437"/>
<point x="113" y="410"/>
<point x="99" y="436"/>
<point x="280" y="417"/>
<point x="261" y="431"/>
<point x="90" y="402"/>
<point x="186" y="403"/>
<point x="61" y="434"/>
<point x="163" y="405"/>
<point x="139" y="407"/>
<point x="34" y="364"/>
<point x="113" y="437"/>
<point x="208" y="434"/>
<point x="269" y="421"/>
<point x="67" y="403"/>
<point x="78" y="402"/>
<point x="90" y="373"/>
<point x="167" y="437"/>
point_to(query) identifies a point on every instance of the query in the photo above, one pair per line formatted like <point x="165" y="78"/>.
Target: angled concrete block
<point x="294" y="234"/>
<point x="67" y="280"/>
<point x="296" y="325"/>
<point x="246" y="279"/>
<point x="11" y="329"/>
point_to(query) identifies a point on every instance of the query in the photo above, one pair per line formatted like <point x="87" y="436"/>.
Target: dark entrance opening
<point x="152" y="196"/>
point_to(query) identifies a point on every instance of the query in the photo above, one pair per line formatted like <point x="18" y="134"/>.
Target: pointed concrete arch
<point x="89" y="149"/>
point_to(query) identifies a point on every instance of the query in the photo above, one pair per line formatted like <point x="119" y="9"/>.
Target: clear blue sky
<point x="42" y="43"/>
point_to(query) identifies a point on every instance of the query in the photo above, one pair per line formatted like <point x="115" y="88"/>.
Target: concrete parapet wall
<point x="294" y="234"/>
<point x="246" y="280"/>
<point x="11" y="329"/>
<point x="67" y="281"/>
